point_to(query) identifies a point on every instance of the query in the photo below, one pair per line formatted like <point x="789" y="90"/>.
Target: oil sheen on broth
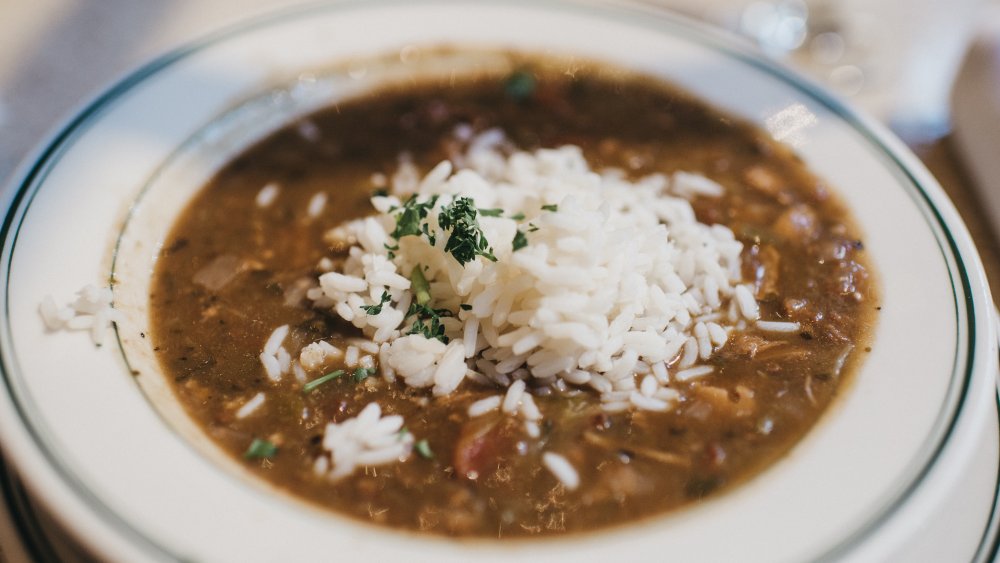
<point x="231" y="271"/>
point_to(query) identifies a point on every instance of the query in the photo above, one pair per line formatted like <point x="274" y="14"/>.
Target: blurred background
<point x="929" y="69"/>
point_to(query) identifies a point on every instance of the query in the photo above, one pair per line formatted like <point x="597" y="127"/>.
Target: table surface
<point x="57" y="54"/>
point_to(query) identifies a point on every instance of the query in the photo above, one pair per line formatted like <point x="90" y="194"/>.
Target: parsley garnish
<point x="428" y="321"/>
<point x="520" y="241"/>
<point x="377" y="308"/>
<point x="409" y="219"/>
<point x="308" y="387"/>
<point x="553" y="207"/>
<point x="466" y="240"/>
<point x="424" y="449"/>
<point x="380" y="192"/>
<point x="260" y="449"/>
<point x="362" y="374"/>
<point x="517" y="216"/>
<point x="491" y="212"/>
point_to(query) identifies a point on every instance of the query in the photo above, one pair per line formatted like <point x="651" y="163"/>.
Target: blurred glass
<point x="896" y="59"/>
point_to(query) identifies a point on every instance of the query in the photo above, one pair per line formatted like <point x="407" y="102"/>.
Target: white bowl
<point x="903" y="467"/>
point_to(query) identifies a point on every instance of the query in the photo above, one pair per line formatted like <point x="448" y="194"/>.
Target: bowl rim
<point x="26" y="450"/>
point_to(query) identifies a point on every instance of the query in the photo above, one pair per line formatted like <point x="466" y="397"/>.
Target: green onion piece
<point x="517" y="216"/>
<point x="424" y="449"/>
<point x="490" y="212"/>
<point x="552" y="208"/>
<point x="362" y="374"/>
<point x="260" y="449"/>
<point x="308" y="387"/>
<point x="418" y="283"/>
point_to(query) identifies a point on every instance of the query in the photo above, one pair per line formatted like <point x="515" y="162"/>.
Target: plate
<point x="898" y="463"/>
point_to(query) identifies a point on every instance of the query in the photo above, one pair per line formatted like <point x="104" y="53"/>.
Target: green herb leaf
<point x="377" y="308"/>
<point x="424" y="449"/>
<point x="428" y="321"/>
<point x="308" y="387"/>
<point x="411" y="216"/>
<point x="491" y="212"/>
<point x="553" y="208"/>
<point x="466" y="240"/>
<point x="380" y="192"/>
<point x="418" y="284"/>
<point x="520" y="241"/>
<point x="465" y="307"/>
<point x="260" y="449"/>
<point x="517" y="216"/>
<point x="362" y="374"/>
<point x="520" y="85"/>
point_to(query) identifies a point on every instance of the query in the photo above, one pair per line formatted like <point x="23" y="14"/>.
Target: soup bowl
<point x="903" y="466"/>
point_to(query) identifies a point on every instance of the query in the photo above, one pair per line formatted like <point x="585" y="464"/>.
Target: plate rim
<point x="25" y="183"/>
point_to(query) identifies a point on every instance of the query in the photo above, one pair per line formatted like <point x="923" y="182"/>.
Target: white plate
<point x="907" y="437"/>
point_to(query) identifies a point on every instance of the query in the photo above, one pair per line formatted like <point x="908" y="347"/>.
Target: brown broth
<point x="768" y="390"/>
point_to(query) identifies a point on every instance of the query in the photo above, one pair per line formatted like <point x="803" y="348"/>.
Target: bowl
<point x="904" y="466"/>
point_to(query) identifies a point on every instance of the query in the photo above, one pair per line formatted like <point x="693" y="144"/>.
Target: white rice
<point x="692" y="373"/>
<point x="251" y="406"/>
<point x="365" y="440"/>
<point x="267" y="195"/>
<point x="271" y="367"/>
<point x="512" y="400"/>
<point x="562" y="469"/>
<point x="275" y="340"/>
<point x="92" y="311"/>
<point x="779" y="326"/>
<point x="483" y="406"/>
<point x="316" y="205"/>
<point x="607" y="289"/>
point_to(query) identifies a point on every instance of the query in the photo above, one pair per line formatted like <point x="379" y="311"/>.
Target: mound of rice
<point x="616" y="285"/>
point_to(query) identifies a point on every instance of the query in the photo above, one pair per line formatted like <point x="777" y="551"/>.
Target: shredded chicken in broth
<point x="510" y="305"/>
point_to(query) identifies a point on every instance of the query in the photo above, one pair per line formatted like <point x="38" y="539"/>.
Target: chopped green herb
<point x="553" y="207"/>
<point x="428" y="321"/>
<point x="380" y="192"/>
<point x="467" y="239"/>
<point x="418" y="284"/>
<point x="532" y="227"/>
<point x="377" y="308"/>
<point x="465" y="307"/>
<point x="403" y="433"/>
<point x="260" y="449"/>
<point x="424" y="449"/>
<point x="362" y="374"/>
<point x="430" y="236"/>
<point x="520" y="241"/>
<point x="308" y="387"/>
<point x="410" y="217"/>
<point x="517" y="216"/>
<point x="491" y="212"/>
<point x="520" y="85"/>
